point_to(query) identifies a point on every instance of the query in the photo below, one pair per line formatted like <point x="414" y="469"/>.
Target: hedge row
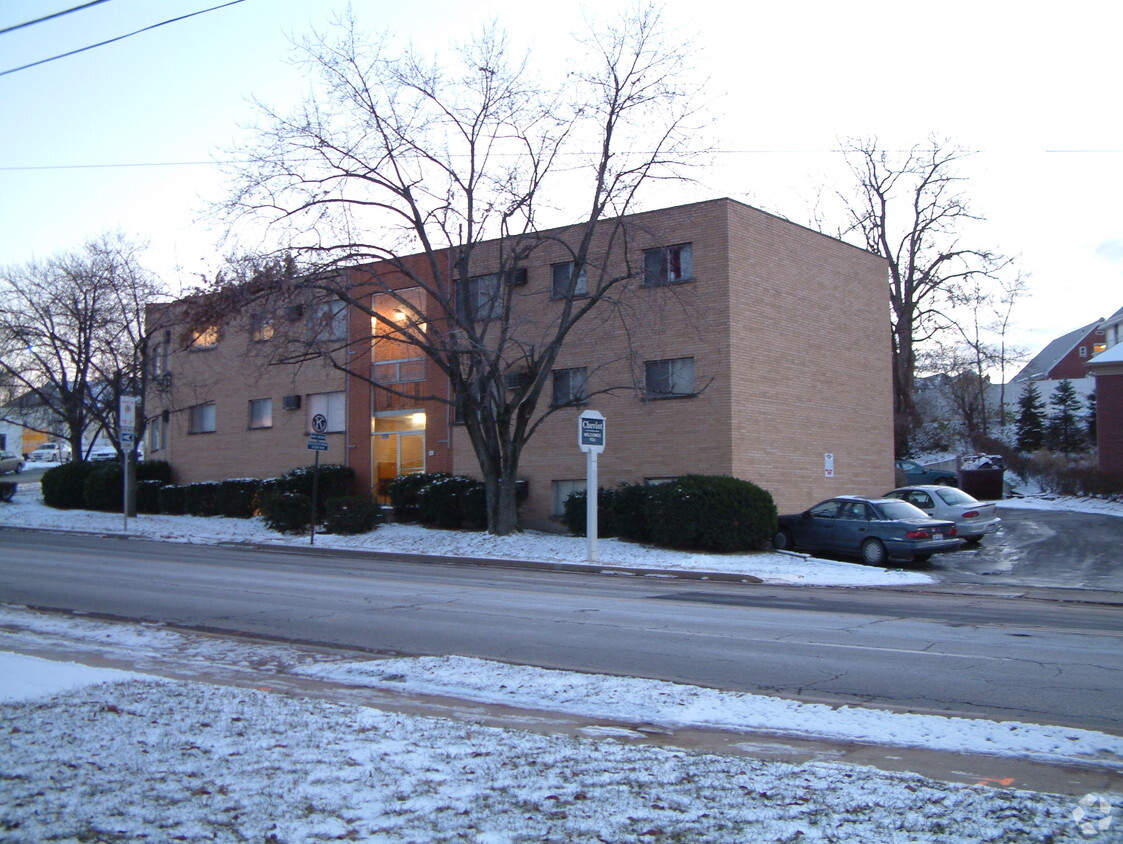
<point x="99" y="486"/>
<point x="437" y="499"/>
<point x="702" y="512"/>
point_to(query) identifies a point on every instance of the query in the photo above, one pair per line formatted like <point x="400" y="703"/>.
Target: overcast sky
<point x="1035" y="93"/>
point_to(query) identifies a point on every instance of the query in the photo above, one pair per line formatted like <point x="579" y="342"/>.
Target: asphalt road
<point x="1019" y="658"/>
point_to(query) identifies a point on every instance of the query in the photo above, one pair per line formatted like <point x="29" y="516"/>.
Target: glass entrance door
<point x="399" y="449"/>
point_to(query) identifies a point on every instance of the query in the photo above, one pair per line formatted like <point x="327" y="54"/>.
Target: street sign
<point x="127" y="416"/>
<point x="126" y="437"/>
<point x="591" y="431"/>
<point x="319" y="423"/>
<point x="317" y="445"/>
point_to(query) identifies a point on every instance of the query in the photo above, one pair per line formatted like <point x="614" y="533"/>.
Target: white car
<point x="10" y="462"/>
<point x="51" y="453"/>
<point x="973" y="519"/>
<point x="102" y="452"/>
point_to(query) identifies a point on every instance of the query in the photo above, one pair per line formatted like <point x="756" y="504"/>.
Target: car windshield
<point x="900" y="510"/>
<point x="951" y="495"/>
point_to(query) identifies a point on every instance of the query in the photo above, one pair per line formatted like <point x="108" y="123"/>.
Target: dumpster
<point x="982" y="475"/>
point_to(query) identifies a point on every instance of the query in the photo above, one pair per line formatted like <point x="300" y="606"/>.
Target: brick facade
<point x="786" y="330"/>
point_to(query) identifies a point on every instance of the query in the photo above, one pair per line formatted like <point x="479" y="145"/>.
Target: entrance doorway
<point x="399" y="448"/>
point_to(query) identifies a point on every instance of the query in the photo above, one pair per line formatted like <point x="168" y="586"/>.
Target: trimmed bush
<point x="201" y="499"/>
<point x="630" y="512"/>
<point x="148" y="496"/>
<point x="451" y="501"/>
<point x="575" y="512"/>
<point x="335" y="482"/>
<point x="710" y="513"/>
<point x="287" y="512"/>
<point x="404" y="490"/>
<point x="172" y="500"/>
<point x="103" y="488"/>
<point x="237" y="497"/>
<point x="8" y="490"/>
<point x="64" y="486"/>
<point x="352" y="514"/>
<point x="154" y="470"/>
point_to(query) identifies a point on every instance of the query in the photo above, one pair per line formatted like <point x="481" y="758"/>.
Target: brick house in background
<point x="746" y="345"/>
<point x="1107" y="368"/>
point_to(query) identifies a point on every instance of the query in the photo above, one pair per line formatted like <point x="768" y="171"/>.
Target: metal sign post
<point x="126" y="429"/>
<point x="590" y="439"/>
<point x="317" y="442"/>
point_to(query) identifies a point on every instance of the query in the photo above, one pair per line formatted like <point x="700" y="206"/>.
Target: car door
<point x="851" y="528"/>
<point x="920" y="498"/>
<point x="817" y="526"/>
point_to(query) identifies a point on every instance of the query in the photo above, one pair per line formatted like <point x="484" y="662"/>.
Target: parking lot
<point x="1049" y="548"/>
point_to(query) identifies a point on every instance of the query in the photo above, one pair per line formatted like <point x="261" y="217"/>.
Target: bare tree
<point x="908" y="209"/>
<point x="72" y="332"/>
<point x="426" y="183"/>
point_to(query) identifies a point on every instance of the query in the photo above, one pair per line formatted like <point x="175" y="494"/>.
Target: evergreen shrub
<point x="710" y="513"/>
<point x="452" y="501"/>
<point x="237" y="497"/>
<point x="575" y="511"/>
<point x="352" y="514"/>
<point x="148" y="496"/>
<point x="629" y="511"/>
<point x="8" y="490"/>
<point x="64" y="486"/>
<point x="154" y="470"/>
<point x="103" y="488"/>
<point x="172" y="500"/>
<point x="335" y="482"/>
<point x="404" y="490"/>
<point x="201" y="499"/>
<point x="287" y="512"/>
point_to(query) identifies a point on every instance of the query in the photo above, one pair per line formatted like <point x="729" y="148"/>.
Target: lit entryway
<point x="399" y="447"/>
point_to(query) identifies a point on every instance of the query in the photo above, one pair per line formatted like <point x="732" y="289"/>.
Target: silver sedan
<point x="973" y="519"/>
<point x="10" y="462"/>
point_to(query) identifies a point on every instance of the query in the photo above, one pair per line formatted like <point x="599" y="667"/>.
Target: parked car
<point x="877" y="529"/>
<point x="51" y="453"/>
<point x="101" y="452"/>
<point x="10" y="462"/>
<point x="918" y="474"/>
<point x="973" y="519"/>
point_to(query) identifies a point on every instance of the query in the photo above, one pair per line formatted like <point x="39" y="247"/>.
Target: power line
<point x="120" y="37"/>
<point x="52" y="17"/>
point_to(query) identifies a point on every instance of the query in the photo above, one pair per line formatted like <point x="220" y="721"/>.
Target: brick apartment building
<point x="745" y="345"/>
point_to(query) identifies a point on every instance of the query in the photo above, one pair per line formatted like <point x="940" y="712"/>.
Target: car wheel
<point x="874" y="553"/>
<point x="946" y="481"/>
<point x="782" y="540"/>
<point x="19" y="468"/>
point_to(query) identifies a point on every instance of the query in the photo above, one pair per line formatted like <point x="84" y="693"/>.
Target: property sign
<point x="828" y="465"/>
<point x="591" y="431"/>
<point x="317" y="442"/>
<point x="319" y="423"/>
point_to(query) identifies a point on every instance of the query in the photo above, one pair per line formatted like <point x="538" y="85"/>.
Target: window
<point x="398" y="371"/>
<point x="1099" y="347"/>
<point x="204" y="338"/>
<point x="201" y="419"/>
<point x="483" y="297"/>
<point x="158" y="432"/>
<point x="668" y="264"/>
<point x="261" y="328"/>
<point x="571" y="386"/>
<point x="330" y="405"/>
<point x="563" y="273"/>
<point x="261" y="413"/>
<point x="562" y="490"/>
<point x="328" y="321"/>
<point x="669" y="378"/>
<point x="1083" y="351"/>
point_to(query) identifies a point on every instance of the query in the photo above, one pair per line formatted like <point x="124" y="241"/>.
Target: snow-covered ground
<point x="92" y="754"/>
<point x="28" y="510"/>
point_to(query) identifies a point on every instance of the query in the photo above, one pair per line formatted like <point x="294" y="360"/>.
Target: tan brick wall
<point x="790" y="335"/>
<point x="229" y="375"/>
